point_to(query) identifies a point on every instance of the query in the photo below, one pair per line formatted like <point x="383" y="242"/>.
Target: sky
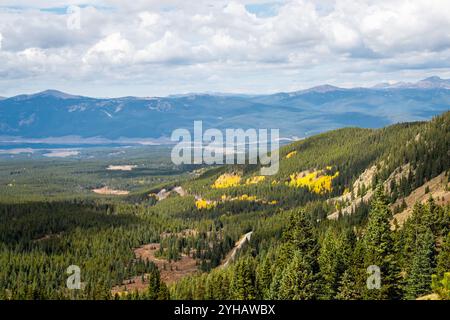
<point x="117" y="48"/>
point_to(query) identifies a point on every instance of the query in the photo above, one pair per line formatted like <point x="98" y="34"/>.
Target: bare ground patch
<point x="437" y="189"/>
<point x="170" y="271"/>
<point x="365" y="179"/>
<point x="127" y="167"/>
<point x="164" y="193"/>
<point x="111" y="192"/>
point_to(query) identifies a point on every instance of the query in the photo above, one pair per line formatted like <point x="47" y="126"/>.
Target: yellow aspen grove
<point x="227" y="181"/>
<point x="316" y="181"/>
<point x="291" y="154"/>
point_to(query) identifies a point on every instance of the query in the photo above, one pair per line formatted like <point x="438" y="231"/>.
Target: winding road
<point x="230" y="256"/>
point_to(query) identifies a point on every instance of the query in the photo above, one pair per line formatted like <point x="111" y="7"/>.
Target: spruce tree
<point x="298" y="281"/>
<point x="353" y="281"/>
<point x="419" y="278"/>
<point x="264" y="277"/>
<point x="300" y="235"/>
<point x="154" y="284"/>
<point x="274" y="289"/>
<point x="331" y="263"/>
<point x="243" y="282"/>
<point x="163" y="293"/>
<point x="443" y="259"/>
<point x="347" y="290"/>
<point x="379" y="248"/>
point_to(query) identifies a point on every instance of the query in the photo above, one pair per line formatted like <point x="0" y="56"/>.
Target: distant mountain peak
<point x="317" y="89"/>
<point x="323" y="88"/>
<point x="433" y="79"/>
<point x="55" y="94"/>
<point x="45" y="94"/>
<point x="433" y="82"/>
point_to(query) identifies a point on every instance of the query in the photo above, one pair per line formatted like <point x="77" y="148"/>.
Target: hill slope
<point x="335" y="166"/>
<point x="294" y="252"/>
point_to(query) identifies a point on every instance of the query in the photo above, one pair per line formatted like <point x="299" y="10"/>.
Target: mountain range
<point x="54" y="114"/>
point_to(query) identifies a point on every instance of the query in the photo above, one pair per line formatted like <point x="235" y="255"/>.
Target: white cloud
<point x="149" y="19"/>
<point x="297" y="24"/>
<point x="33" y="55"/>
<point x="223" y="40"/>
<point x="419" y="25"/>
<point x="112" y="49"/>
<point x="342" y="37"/>
<point x="149" y="47"/>
<point x="169" y="49"/>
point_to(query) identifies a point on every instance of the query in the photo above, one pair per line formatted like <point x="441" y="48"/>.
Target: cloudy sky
<point x="154" y="48"/>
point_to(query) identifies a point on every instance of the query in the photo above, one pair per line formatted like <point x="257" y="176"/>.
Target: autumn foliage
<point x="316" y="181"/>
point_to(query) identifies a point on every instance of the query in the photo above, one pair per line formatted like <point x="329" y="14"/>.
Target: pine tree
<point x="330" y="262"/>
<point x="243" y="282"/>
<point x="163" y="293"/>
<point x="298" y="281"/>
<point x="264" y="277"/>
<point x="379" y="249"/>
<point x="154" y="284"/>
<point x="413" y="226"/>
<point x="300" y="235"/>
<point x="443" y="259"/>
<point x="419" y="278"/>
<point x="276" y="283"/>
<point x="347" y="290"/>
<point x="353" y="281"/>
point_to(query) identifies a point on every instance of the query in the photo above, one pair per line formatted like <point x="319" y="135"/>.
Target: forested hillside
<point x="314" y="228"/>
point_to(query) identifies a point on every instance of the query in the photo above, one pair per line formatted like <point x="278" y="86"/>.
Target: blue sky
<point x="263" y="10"/>
<point x="156" y="48"/>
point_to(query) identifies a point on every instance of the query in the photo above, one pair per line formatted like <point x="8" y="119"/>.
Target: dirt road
<point x="230" y="256"/>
